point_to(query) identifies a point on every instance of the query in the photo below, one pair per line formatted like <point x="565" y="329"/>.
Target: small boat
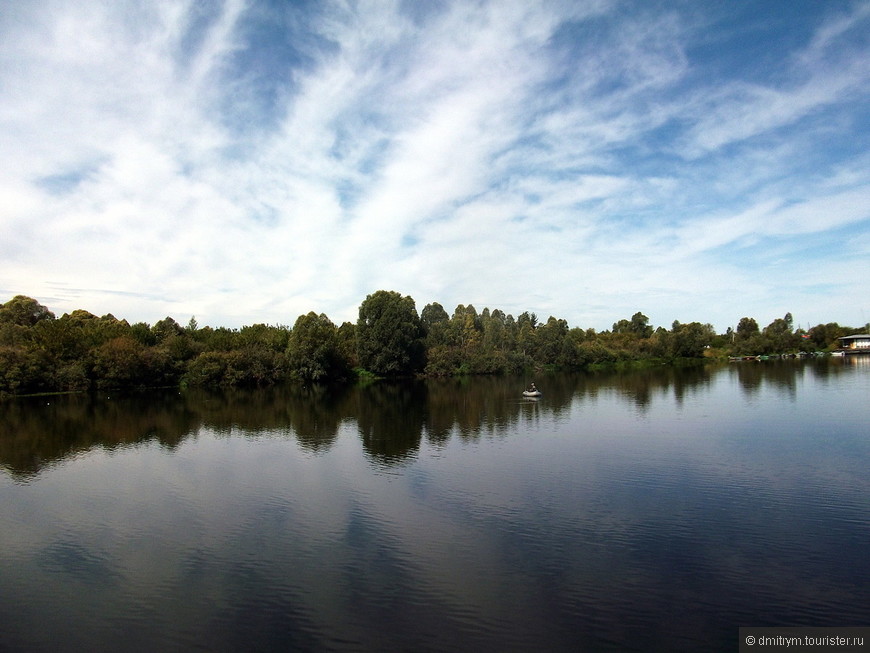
<point x="531" y="393"/>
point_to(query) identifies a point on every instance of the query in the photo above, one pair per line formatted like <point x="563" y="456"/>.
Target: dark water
<point x="639" y="511"/>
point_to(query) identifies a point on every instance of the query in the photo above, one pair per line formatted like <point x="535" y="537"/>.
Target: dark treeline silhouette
<point x="80" y="351"/>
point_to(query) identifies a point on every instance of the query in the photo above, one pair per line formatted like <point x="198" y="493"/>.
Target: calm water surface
<point x="639" y="511"/>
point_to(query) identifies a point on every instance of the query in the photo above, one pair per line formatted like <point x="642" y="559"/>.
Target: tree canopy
<point x="313" y="350"/>
<point x="82" y="351"/>
<point x="389" y="334"/>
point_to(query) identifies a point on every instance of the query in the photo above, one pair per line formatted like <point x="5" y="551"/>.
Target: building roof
<point x="861" y="336"/>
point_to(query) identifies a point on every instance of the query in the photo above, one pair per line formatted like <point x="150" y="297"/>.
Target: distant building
<point x="861" y="341"/>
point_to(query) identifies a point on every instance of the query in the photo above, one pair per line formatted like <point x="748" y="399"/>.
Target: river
<point x="636" y="511"/>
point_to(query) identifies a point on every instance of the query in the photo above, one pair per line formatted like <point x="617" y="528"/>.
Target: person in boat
<point x="532" y="388"/>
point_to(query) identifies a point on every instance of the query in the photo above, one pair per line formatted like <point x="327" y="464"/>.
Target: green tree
<point x="432" y="315"/>
<point x="527" y="318"/>
<point x="824" y="336"/>
<point x="640" y="325"/>
<point x="142" y="333"/>
<point x="18" y="316"/>
<point x="347" y="344"/>
<point x="442" y="353"/>
<point x="220" y="339"/>
<point x="389" y="334"/>
<point x="494" y="330"/>
<point x="660" y="343"/>
<point x="550" y="340"/>
<point x="494" y="359"/>
<point x="594" y="352"/>
<point x="313" y="350"/>
<point x="209" y="369"/>
<point x="690" y="340"/>
<point x="746" y="328"/>
<point x="436" y="325"/>
<point x="466" y="334"/>
<point x="637" y="326"/>
<point x="118" y="363"/>
<point x="165" y="328"/>
<point x="275" y="338"/>
<point x="779" y="337"/>
<point x="24" y="311"/>
<point x="23" y="370"/>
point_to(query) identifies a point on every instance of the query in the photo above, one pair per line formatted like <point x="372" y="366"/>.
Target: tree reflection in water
<point x="391" y="418"/>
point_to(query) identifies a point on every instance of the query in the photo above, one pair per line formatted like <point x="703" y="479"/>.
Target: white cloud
<point x="827" y="71"/>
<point x="563" y="159"/>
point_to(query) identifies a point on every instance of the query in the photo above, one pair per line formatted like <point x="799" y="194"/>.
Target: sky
<point x="249" y="162"/>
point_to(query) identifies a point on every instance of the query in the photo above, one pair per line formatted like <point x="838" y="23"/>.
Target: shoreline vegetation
<point x="78" y="352"/>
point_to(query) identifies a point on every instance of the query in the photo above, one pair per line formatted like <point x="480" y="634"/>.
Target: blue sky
<point x="248" y="162"/>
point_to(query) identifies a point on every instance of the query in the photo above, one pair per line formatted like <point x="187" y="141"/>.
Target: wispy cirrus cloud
<point x="251" y="161"/>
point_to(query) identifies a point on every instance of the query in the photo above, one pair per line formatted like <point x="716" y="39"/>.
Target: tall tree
<point x="389" y="334"/>
<point x="550" y="339"/>
<point x="435" y="323"/>
<point x="746" y="328"/>
<point x="24" y="311"/>
<point x="347" y="344"/>
<point x="689" y="340"/>
<point x="433" y="314"/>
<point x="637" y="326"/>
<point x="779" y="336"/>
<point x="465" y="327"/>
<point x="313" y="350"/>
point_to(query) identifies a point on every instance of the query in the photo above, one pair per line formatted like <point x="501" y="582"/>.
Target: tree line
<point x="79" y="351"/>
